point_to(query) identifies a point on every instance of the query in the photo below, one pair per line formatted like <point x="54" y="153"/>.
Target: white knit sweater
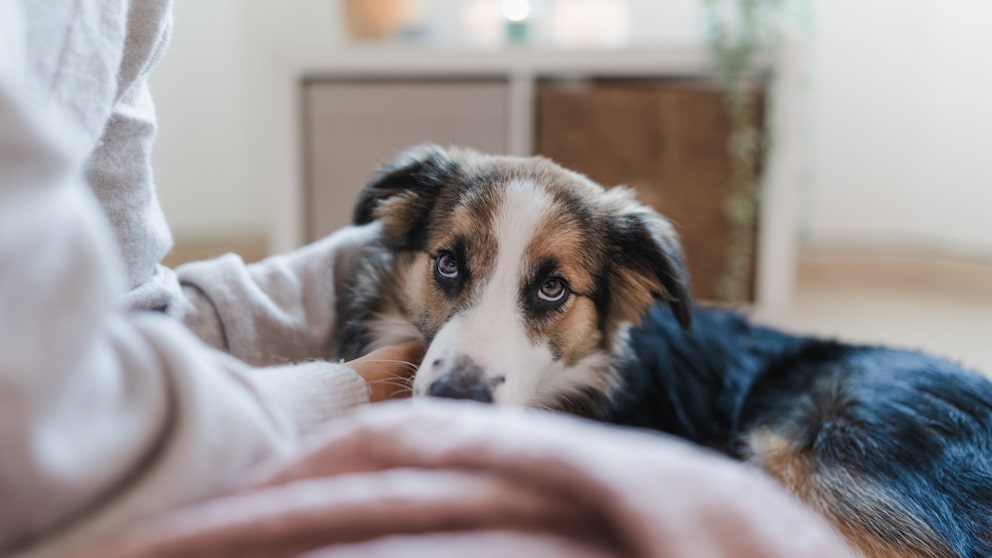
<point x="109" y="413"/>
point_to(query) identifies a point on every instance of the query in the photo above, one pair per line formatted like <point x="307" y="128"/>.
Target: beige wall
<point x="211" y="95"/>
<point x="901" y="107"/>
<point x="204" y="136"/>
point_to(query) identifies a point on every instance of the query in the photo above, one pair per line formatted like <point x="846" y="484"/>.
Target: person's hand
<point x="389" y="371"/>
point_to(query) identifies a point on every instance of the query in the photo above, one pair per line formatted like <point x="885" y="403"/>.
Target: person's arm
<point x="107" y="417"/>
<point x="277" y="311"/>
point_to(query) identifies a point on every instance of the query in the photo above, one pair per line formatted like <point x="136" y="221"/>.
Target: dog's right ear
<point x="648" y="261"/>
<point x="402" y="194"/>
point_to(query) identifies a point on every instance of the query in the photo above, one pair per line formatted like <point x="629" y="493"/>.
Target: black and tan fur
<point x="893" y="447"/>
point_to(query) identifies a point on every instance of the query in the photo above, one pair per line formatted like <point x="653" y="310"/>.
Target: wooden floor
<point x="940" y="305"/>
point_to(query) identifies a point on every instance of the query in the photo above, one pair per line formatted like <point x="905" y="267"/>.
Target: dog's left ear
<point x="648" y="262"/>
<point x="402" y="194"/>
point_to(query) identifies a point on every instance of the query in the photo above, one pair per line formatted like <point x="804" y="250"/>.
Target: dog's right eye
<point x="446" y="266"/>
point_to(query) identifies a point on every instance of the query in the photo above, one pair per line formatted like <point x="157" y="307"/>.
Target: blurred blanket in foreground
<point x="448" y="479"/>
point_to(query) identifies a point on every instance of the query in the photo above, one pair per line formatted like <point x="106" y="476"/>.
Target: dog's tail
<point x="872" y="519"/>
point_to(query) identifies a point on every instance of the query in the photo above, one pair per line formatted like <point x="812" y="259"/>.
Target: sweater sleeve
<point x="280" y="310"/>
<point x="107" y="417"/>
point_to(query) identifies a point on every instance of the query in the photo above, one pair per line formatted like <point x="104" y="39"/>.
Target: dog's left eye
<point x="446" y="265"/>
<point x="553" y="290"/>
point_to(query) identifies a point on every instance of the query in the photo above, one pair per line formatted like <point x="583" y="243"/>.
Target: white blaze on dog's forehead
<point x="522" y="208"/>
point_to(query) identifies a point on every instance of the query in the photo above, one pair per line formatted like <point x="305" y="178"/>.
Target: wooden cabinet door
<point x="668" y="141"/>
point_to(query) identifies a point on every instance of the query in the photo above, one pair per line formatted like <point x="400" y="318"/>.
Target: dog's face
<point x="518" y="274"/>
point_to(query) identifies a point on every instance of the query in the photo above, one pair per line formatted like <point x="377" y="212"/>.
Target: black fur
<point x="419" y="174"/>
<point x="639" y="246"/>
<point x="917" y="427"/>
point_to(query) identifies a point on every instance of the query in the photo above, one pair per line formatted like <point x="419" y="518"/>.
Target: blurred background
<point x="828" y="162"/>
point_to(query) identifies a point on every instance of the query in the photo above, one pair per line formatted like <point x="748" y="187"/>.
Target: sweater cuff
<point x="311" y="394"/>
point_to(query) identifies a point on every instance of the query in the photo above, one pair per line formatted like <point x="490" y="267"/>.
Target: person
<point x="127" y="388"/>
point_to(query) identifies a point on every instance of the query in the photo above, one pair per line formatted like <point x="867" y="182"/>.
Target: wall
<point x="204" y="184"/>
<point x="211" y="96"/>
<point x="901" y="106"/>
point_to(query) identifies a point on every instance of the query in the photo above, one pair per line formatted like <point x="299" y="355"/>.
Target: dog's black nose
<point x="453" y="386"/>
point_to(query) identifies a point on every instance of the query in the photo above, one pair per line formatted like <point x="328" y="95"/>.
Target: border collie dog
<point x="533" y="286"/>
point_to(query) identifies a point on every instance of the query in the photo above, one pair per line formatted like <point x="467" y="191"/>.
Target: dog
<point x="533" y="286"/>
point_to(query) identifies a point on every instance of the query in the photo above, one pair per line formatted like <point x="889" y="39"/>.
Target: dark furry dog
<point x="533" y="286"/>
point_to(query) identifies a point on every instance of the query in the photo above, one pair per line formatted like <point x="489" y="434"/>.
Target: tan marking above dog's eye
<point x="553" y="290"/>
